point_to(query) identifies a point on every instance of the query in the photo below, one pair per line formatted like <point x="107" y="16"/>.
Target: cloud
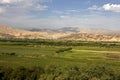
<point x="41" y="7"/>
<point x="73" y="11"/>
<point x="5" y="1"/>
<point x="89" y="21"/>
<point x="23" y="6"/>
<point x="106" y="7"/>
<point x="2" y="10"/>
<point x="67" y="12"/>
<point x="112" y="7"/>
<point x="10" y="1"/>
<point x="29" y="14"/>
<point x="64" y="17"/>
<point x="94" y="7"/>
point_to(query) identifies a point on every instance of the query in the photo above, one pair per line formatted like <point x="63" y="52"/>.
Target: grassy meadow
<point x="82" y="62"/>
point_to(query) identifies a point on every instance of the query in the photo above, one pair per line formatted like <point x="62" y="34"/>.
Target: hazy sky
<point x="60" y="13"/>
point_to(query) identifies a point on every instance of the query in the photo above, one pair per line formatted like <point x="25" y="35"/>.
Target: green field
<point x="29" y="55"/>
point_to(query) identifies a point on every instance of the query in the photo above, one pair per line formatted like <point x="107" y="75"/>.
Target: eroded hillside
<point x="8" y="32"/>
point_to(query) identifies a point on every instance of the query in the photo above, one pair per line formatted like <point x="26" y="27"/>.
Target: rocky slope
<point x="91" y="37"/>
<point x="8" y="32"/>
<point x="63" y="33"/>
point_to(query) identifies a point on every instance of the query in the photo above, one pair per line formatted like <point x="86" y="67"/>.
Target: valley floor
<point x="63" y="65"/>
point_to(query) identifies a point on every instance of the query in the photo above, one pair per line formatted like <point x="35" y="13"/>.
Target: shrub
<point x="63" y="50"/>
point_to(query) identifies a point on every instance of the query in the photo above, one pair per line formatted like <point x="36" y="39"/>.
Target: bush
<point x="52" y="72"/>
<point x="5" y="73"/>
<point x="11" y="54"/>
<point x="20" y="73"/>
<point x="63" y="50"/>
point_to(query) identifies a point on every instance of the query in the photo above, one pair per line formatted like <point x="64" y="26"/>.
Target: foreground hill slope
<point x="63" y="33"/>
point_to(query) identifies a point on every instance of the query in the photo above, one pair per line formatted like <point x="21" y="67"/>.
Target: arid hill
<point x="63" y="33"/>
<point x="8" y="32"/>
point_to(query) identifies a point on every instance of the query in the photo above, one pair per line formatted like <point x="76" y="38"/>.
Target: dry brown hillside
<point x="8" y="32"/>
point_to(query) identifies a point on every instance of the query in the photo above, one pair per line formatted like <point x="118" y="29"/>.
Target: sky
<point x="27" y="14"/>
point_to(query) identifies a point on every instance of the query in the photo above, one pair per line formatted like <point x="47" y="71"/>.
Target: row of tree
<point x="59" y="42"/>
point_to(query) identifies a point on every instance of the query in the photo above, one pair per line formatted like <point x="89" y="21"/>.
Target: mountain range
<point x="65" y="33"/>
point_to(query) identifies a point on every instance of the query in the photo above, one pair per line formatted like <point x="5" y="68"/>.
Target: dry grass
<point x="114" y="56"/>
